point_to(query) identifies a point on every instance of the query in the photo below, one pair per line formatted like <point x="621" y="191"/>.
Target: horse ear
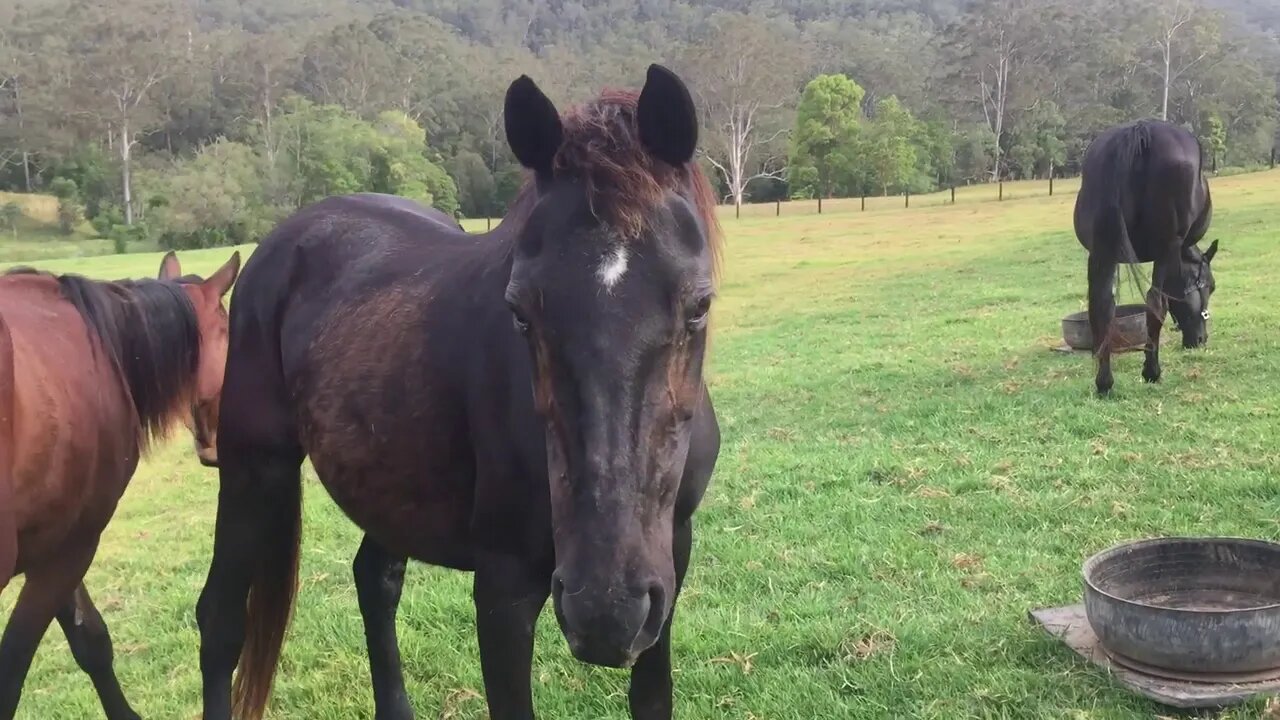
<point x="1213" y="250"/>
<point x="533" y="125"/>
<point x="170" y="268"/>
<point x="667" y="118"/>
<point x="221" y="281"/>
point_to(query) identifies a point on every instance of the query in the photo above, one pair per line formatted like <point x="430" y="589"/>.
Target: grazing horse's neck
<point x="150" y="332"/>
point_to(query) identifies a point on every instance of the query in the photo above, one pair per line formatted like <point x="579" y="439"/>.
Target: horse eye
<point x="519" y="321"/>
<point x="698" y="316"/>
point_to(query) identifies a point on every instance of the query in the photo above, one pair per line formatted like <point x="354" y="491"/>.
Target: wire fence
<point x="1004" y="191"/>
<point x="959" y="195"/>
<point x="962" y="194"/>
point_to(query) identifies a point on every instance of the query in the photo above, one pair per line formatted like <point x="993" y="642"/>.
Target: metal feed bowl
<point x="1131" y="323"/>
<point x="1192" y="605"/>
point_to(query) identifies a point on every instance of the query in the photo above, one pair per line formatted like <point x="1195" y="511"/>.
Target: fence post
<point x="819" y="204"/>
<point x="953" y="194"/>
<point x="777" y="210"/>
<point x="864" y="202"/>
<point x="1002" y="191"/>
<point x="1050" y="183"/>
<point x="488" y="223"/>
<point x="737" y="210"/>
<point x="906" y="194"/>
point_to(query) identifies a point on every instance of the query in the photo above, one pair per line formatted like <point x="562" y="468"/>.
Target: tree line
<point x="201" y="122"/>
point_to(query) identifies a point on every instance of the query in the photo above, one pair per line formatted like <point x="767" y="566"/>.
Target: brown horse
<point x="90" y="374"/>
<point x="527" y="405"/>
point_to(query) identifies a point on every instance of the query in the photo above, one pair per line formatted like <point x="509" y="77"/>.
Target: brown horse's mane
<point x="150" y="332"/>
<point x="601" y="147"/>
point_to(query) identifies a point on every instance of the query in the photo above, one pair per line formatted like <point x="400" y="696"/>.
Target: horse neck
<point x="150" y="330"/>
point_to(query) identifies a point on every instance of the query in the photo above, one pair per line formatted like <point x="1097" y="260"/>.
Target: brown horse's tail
<point x="271" y="594"/>
<point x="8" y="406"/>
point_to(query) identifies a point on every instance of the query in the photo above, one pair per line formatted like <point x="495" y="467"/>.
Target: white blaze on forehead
<point x="613" y="266"/>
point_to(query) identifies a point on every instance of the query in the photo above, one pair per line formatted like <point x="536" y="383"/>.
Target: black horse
<point x="395" y="202"/>
<point x="528" y="405"/>
<point x="1144" y="198"/>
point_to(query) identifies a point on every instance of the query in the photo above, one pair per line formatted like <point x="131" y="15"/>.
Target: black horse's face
<point x="616" y="323"/>
<point x="1191" y="313"/>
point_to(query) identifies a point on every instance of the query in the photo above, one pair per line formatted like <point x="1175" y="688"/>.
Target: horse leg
<point x="379" y="578"/>
<point x="1164" y="269"/>
<point x="91" y="646"/>
<point x="253" y="500"/>
<point x="1102" y="311"/>
<point x="508" y="600"/>
<point x="1157" y="309"/>
<point x="45" y="592"/>
<point x="651" y="689"/>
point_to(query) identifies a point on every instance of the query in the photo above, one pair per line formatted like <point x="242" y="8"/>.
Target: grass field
<point x="907" y="469"/>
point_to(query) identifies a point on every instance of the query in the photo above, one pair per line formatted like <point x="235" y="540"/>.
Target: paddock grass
<point x="907" y="469"/>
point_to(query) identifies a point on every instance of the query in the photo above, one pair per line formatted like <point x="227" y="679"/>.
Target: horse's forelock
<point x="602" y="149"/>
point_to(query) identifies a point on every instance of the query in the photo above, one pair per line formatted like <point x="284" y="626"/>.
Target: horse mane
<point x="601" y="148"/>
<point x="151" y="334"/>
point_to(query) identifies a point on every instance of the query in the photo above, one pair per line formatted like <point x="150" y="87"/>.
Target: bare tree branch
<point x="742" y="74"/>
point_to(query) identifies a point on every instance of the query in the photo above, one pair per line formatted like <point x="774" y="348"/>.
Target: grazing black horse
<point x="1144" y="198"/>
<point x="529" y="406"/>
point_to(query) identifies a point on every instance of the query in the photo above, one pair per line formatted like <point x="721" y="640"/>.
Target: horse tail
<point x="8" y="407"/>
<point x="272" y="591"/>
<point x="1124" y="182"/>
<point x="270" y="480"/>
<point x="1128" y="181"/>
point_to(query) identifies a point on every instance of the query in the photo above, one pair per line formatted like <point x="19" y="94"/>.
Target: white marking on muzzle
<point x="613" y="267"/>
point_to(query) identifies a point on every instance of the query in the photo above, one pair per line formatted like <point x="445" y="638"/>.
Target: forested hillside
<point x="196" y="122"/>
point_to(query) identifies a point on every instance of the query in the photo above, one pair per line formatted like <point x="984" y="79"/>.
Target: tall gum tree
<point x="122" y="51"/>
<point x="745" y="73"/>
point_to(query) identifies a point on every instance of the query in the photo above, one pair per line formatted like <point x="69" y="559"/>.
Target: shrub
<point x="10" y="214"/>
<point x="122" y="235"/>
<point x="212" y="199"/>
<point x="70" y="214"/>
<point x="88" y="167"/>
<point x="64" y="188"/>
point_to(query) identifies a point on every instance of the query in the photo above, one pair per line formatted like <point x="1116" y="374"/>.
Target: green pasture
<point x="907" y="469"/>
